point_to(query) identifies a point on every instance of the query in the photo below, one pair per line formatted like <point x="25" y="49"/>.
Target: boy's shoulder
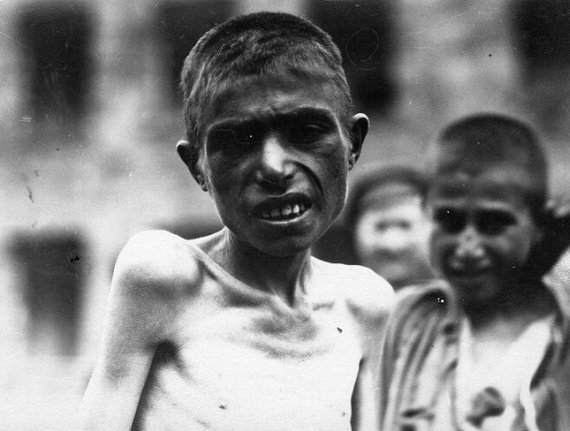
<point x="156" y="261"/>
<point x="366" y="293"/>
<point x="415" y="305"/>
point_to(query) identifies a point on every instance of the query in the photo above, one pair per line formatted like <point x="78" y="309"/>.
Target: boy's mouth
<point x="471" y="269"/>
<point x="287" y="212"/>
<point x="283" y="209"/>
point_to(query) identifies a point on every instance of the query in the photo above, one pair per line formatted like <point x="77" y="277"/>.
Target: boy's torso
<point x="424" y="353"/>
<point x="238" y="358"/>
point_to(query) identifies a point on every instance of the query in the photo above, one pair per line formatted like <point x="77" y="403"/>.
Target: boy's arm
<point x="372" y="306"/>
<point x="136" y="321"/>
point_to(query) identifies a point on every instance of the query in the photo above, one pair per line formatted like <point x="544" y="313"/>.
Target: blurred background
<point x="91" y="112"/>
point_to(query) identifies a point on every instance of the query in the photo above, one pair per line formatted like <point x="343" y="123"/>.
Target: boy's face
<point x="275" y="158"/>
<point x="483" y="233"/>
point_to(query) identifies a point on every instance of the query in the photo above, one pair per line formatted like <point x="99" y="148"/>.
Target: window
<point x="57" y="41"/>
<point x="542" y="34"/>
<point x="364" y="33"/>
<point x="51" y="266"/>
<point x="541" y="30"/>
<point x="179" y="26"/>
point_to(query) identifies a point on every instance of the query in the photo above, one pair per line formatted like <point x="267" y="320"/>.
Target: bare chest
<point x="259" y="368"/>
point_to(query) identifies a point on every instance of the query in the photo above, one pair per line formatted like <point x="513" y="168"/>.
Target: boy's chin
<point x="283" y="248"/>
<point x="476" y="291"/>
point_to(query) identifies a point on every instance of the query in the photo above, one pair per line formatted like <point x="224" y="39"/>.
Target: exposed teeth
<point x="287" y="212"/>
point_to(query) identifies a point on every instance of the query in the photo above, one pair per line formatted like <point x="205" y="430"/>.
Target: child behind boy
<point x="244" y="330"/>
<point x="386" y="219"/>
<point x="491" y="350"/>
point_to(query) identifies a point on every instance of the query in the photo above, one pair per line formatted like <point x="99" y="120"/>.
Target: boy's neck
<point x="513" y="312"/>
<point x="281" y="275"/>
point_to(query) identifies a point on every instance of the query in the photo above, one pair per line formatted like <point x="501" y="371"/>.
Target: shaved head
<point x="472" y="146"/>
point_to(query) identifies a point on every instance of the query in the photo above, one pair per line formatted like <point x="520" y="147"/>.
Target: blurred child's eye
<point x="494" y="222"/>
<point x="450" y="220"/>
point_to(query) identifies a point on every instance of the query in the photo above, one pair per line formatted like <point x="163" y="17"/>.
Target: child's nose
<point x="469" y="245"/>
<point x="392" y="239"/>
<point x="275" y="166"/>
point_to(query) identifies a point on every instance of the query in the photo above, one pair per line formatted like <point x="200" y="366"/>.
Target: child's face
<point x="275" y="160"/>
<point x="483" y="233"/>
<point x="392" y="238"/>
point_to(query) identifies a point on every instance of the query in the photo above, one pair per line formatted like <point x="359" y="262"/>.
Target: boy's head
<point x="486" y="197"/>
<point x="269" y="134"/>
<point x="387" y="222"/>
<point x="257" y="44"/>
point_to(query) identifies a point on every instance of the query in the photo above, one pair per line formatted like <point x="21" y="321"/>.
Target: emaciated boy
<point x="244" y="330"/>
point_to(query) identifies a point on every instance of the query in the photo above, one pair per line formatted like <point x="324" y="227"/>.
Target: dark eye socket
<point x="223" y="137"/>
<point x="494" y="222"/>
<point x="303" y="132"/>
<point x="240" y="137"/>
<point x="450" y="220"/>
<point x="487" y="222"/>
<point x="396" y="224"/>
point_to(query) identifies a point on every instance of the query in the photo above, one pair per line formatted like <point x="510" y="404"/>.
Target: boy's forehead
<point x="283" y="89"/>
<point x="500" y="183"/>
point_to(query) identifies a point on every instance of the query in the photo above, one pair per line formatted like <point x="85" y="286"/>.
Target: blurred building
<point x="91" y="113"/>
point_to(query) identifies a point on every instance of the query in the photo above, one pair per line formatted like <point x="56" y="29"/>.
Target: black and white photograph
<point x="285" y="215"/>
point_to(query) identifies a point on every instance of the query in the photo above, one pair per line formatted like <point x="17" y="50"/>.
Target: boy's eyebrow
<point x="314" y="113"/>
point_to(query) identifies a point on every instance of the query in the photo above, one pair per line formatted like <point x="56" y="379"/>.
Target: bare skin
<point x="244" y="330"/>
<point x="245" y="359"/>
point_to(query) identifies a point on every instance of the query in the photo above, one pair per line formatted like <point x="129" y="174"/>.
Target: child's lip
<point x="285" y="205"/>
<point x="469" y="269"/>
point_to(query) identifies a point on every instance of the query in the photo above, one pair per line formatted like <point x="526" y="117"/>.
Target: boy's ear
<point x="190" y="155"/>
<point x="358" y="131"/>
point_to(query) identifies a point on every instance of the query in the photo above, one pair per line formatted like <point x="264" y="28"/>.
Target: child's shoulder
<point x="365" y="292"/>
<point x="158" y="261"/>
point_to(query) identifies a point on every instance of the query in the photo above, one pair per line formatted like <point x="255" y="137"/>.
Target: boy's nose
<point x="469" y="245"/>
<point x="275" y="166"/>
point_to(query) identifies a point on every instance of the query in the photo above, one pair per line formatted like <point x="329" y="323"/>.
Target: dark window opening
<point x="364" y="32"/>
<point x="179" y="27"/>
<point x="52" y="270"/>
<point x="57" y="42"/>
<point x="542" y="34"/>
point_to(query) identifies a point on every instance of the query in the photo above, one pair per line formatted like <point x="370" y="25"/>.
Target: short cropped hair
<point x="377" y="176"/>
<point x="474" y="143"/>
<point x="255" y="44"/>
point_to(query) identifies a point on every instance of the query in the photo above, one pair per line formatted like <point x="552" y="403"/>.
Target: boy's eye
<point x="222" y="137"/>
<point x="247" y="137"/>
<point x="233" y="137"/>
<point x="487" y="222"/>
<point x="450" y="220"/>
<point x="307" y="132"/>
<point x="494" y="222"/>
